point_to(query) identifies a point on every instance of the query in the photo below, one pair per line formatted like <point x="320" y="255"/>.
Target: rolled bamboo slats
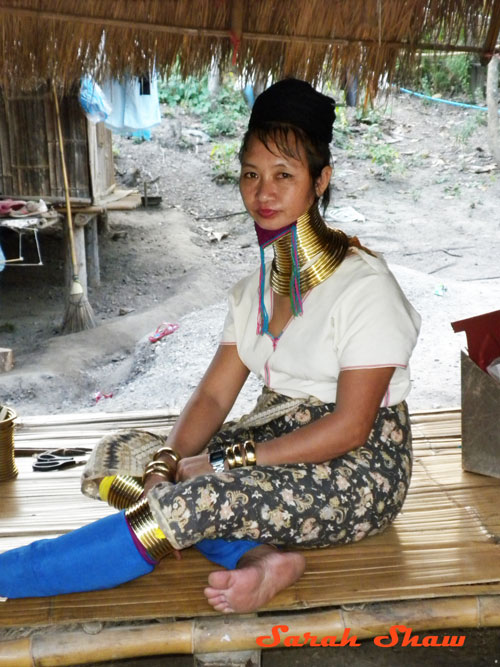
<point x="442" y="548"/>
<point x="65" y="648"/>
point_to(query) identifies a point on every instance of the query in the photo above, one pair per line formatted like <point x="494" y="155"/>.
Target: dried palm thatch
<point x="61" y="39"/>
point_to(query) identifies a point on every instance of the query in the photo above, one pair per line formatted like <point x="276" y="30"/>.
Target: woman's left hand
<point x="193" y="466"/>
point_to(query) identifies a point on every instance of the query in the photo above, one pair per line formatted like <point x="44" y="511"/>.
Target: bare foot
<point x="261" y="573"/>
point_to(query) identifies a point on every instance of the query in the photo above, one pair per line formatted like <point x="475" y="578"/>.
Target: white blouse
<point x="357" y="318"/>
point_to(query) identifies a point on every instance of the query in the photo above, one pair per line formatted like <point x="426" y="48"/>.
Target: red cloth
<point x="483" y="337"/>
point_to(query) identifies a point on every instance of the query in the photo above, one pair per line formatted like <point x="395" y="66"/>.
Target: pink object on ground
<point x="164" y="329"/>
<point x="100" y="395"/>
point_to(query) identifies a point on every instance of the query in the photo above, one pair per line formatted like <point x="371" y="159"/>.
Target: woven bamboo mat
<point x="444" y="543"/>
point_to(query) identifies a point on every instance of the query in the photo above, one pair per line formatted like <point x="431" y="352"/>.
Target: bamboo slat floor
<point x="444" y="544"/>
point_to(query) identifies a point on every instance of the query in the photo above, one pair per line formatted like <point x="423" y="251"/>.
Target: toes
<point x="224" y="608"/>
<point x="219" y="579"/>
<point x="218" y="601"/>
<point x="214" y="598"/>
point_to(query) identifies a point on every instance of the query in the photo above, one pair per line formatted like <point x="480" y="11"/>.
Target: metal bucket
<point x="8" y="468"/>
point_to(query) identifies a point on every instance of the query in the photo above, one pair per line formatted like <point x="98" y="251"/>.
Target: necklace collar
<point x="306" y="253"/>
<point x="266" y="237"/>
<point x="320" y="251"/>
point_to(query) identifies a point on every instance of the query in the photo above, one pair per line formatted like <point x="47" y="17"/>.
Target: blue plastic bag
<point x="93" y="100"/>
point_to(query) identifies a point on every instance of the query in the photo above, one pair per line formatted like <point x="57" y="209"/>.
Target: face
<point x="277" y="189"/>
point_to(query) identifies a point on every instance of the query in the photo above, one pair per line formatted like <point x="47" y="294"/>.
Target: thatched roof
<point x="311" y="39"/>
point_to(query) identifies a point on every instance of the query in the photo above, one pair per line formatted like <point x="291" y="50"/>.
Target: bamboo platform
<point x="445" y="543"/>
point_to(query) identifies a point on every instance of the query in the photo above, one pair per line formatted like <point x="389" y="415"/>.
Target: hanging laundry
<point x="135" y="105"/>
<point x="93" y="101"/>
<point x="145" y="85"/>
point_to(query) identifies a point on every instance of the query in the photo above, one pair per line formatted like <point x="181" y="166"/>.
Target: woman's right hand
<point x="192" y="466"/>
<point x="152" y="480"/>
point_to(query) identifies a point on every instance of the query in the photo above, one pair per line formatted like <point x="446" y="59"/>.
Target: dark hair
<point x="286" y="137"/>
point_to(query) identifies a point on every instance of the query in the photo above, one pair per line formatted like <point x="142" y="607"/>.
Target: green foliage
<point x="341" y="131"/>
<point x="445" y="75"/>
<point x="453" y="190"/>
<point x="371" y="116"/>
<point x="223" y="158"/>
<point x="7" y="327"/>
<point x="176" y="90"/>
<point x="465" y="130"/>
<point x="383" y="155"/>
<point x="342" y="138"/>
<point x="376" y="149"/>
<point x="221" y="114"/>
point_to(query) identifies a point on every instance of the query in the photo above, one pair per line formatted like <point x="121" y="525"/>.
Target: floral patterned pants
<point x="307" y="505"/>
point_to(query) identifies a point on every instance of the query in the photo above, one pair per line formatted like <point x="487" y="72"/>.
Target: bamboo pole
<point x="213" y="635"/>
<point x="237" y="11"/>
<point x="223" y="34"/>
<point x="16" y="653"/>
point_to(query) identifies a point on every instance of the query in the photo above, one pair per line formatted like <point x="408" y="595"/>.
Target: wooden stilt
<point x="81" y="260"/>
<point x="492" y="100"/>
<point x="92" y="252"/>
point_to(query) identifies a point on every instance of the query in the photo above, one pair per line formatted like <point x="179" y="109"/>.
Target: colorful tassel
<point x="267" y="238"/>
<point x="295" y="295"/>
<point x="263" y="316"/>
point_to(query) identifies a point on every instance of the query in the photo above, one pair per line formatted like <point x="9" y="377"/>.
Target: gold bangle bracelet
<point x="159" y="468"/>
<point x="231" y="461"/>
<point x="166" y="450"/>
<point x="250" y="454"/>
<point x="238" y="455"/>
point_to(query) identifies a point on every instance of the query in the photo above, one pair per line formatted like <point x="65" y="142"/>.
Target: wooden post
<point x="92" y="252"/>
<point x="492" y="101"/>
<point x="79" y="233"/>
<point x="81" y="261"/>
<point x="6" y="359"/>
<point x="237" y="11"/>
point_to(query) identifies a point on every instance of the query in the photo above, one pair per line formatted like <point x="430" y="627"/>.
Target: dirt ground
<point x="415" y="182"/>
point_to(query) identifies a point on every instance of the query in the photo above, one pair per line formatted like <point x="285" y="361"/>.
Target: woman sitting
<point x="325" y="456"/>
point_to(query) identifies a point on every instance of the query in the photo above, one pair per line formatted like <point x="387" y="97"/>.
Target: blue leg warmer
<point x="225" y="553"/>
<point x="97" y="556"/>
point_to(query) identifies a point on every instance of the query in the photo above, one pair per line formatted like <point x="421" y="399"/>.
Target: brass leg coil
<point x="147" y="530"/>
<point x="120" y="491"/>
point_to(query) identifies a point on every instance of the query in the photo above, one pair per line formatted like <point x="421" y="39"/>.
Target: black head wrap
<point x="295" y="102"/>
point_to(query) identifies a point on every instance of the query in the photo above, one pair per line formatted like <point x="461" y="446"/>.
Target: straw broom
<point x="78" y="314"/>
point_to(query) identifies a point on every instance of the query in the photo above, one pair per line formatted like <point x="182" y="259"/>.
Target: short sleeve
<point x="376" y="325"/>
<point x="228" y="331"/>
